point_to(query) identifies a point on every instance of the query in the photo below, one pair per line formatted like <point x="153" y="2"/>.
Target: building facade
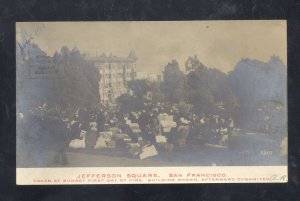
<point x="114" y="72"/>
<point x="154" y="77"/>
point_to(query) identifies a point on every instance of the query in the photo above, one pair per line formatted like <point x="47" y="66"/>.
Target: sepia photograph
<point x="151" y="102"/>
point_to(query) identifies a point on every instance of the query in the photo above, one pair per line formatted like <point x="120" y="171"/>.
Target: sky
<point x="217" y="44"/>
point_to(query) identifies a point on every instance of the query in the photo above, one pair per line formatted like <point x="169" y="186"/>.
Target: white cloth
<point x="77" y="143"/>
<point x="148" y="151"/>
<point x="100" y="143"/>
<point x="160" y="139"/>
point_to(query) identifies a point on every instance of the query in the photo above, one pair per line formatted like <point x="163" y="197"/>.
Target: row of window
<point x="109" y="76"/>
<point x="114" y="66"/>
<point x="112" y="84"/>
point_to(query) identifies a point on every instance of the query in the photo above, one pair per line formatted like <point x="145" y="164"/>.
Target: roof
<point x="113" y="59"/>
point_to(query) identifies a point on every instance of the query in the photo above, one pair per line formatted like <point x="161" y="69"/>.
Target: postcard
<point x="148" y="102"/>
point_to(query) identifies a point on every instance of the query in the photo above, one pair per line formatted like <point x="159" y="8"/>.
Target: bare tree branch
<point x="28" y="39"/>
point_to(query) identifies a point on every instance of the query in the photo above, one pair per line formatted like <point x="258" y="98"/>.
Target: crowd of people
<point x="53" y="128"/>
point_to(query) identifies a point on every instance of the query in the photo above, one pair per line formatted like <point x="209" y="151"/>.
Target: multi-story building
<point x="141" y="75"/>
<point x="114" y="72"/>
<point x="154" y="77"/>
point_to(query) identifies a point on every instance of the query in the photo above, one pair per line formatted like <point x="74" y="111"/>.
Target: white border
<point x="151" y="175"/>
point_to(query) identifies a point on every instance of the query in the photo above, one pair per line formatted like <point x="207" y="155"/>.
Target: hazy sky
<point x="218" y="44"/>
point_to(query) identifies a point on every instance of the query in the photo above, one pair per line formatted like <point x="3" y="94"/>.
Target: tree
<point x="157" y="94"/>
<point x="26" y="40"/>
<point x="77" y="84"/>
<point x="199" y="92"/>
<point x="206" y="87"/>
<point x="128" y="103"/>
<point x="80" y="85"/>
<point x="254" y="82"/>
<point x="174" y="82"/>
<point x="193" y="63"/>
<point x="139" y="87"/>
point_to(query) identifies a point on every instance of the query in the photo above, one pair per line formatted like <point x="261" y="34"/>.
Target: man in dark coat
<point x="91" y="137"/>
<point x="75" y="129"/>
<point x="100" y="121"/>
<point x="144" y="124"/>
<point x="84" y="118"/>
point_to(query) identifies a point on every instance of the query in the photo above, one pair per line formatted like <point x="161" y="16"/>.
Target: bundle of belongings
<point x="104" y="140"/>
<point x="142" y="150"/>
<point x="78" y="143"/>
<point x="134" y="126"/>
<point x="160" y="139"/>
<point x="113" y="138"/>
<point x="167" y="122"/>
<point x="148" y="151"/>
<point x="145" y="150"/>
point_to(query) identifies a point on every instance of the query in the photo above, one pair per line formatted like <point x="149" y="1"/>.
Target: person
<point x="75" y="128"/>
<point x="83" y="116"/>
<point x="100" y="121"/>
<point x="156" y="125"/>
<point x="182" y="133"/>
<point x="230" y="124"/>
<point x="91" y="136"/>
<point x="125" y="128"/>
<point x="133" y="117"/>
<point x="144" y="121"/>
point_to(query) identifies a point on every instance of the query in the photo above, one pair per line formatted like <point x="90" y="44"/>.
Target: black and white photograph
<point x="151" y="94"/>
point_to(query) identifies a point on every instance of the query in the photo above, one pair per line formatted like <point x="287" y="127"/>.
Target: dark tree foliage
<point x="128" y="103"/>
<point x="80" y="82"/>
<point x="75" y="85"/>
<point x="139" y="87"/>
<point x="174" y="82"/>
<point x="207" y="87"/>
<point x="157" y="94"/>
<point x="254" y="82"/>
<point x="193" y="63"/>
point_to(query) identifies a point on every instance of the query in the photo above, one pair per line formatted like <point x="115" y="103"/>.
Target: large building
<point x="114" y="72"/>
<point x="154" y="77"/>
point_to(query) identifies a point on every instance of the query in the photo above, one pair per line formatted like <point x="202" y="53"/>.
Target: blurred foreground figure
<point x="182" y="133"/>
<point x="60" y="136"/>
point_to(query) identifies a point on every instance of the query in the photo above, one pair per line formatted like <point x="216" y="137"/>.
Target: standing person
<point x="100" y="121"/>
<point x="144" y="121"/>
<point x="84" y="118"/>
<point x="182" y="133"/>
<point x="156" y="126"/>
<point x="91" y="136"/>
<point x="230" y="124"/>
<point x="75" y="128"/>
